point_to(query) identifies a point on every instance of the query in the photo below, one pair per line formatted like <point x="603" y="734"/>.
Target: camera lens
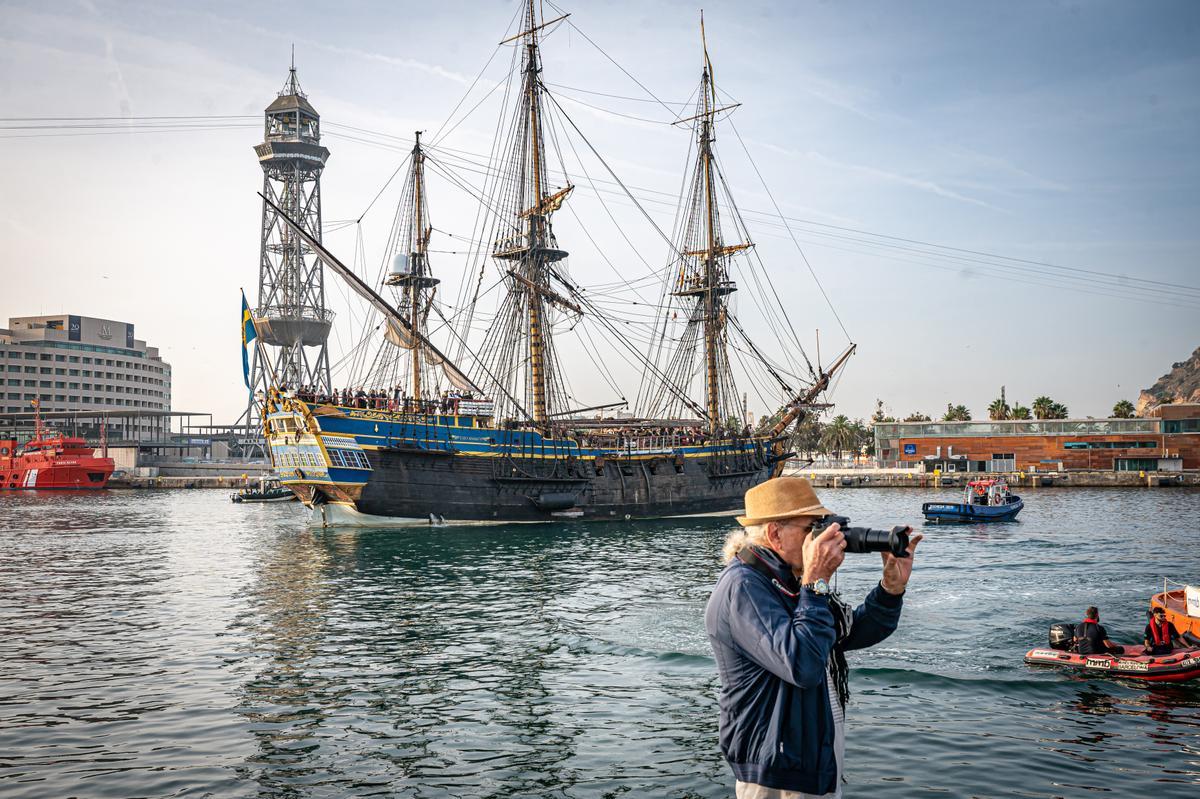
<point x="864" y="539"/>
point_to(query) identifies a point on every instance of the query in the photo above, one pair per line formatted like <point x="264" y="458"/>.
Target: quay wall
<point x="905" y="478"/>
<point x="231" y="476"/>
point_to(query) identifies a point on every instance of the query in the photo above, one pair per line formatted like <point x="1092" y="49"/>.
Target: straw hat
<point x="781" y="498"/>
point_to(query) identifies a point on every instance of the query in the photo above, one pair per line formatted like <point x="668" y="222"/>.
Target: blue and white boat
<point x="986" y="500"/>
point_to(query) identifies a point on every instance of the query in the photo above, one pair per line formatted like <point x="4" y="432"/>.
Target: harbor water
<point x="171" y="643"/>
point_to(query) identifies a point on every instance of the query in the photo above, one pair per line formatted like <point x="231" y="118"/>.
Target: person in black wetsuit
<point x="1091" y="638"/>
<point x="1160" y="636"/>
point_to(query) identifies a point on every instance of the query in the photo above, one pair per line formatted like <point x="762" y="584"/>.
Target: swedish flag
<point x="249" y="332"/>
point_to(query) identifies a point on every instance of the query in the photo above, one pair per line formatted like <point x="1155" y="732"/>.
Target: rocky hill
<point x="1181" y="384"/>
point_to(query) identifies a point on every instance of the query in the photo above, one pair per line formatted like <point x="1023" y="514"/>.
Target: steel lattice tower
<point x="292" y="321"/>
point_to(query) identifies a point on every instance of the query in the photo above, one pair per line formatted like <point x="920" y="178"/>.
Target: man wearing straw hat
<point x="780" y="637"/>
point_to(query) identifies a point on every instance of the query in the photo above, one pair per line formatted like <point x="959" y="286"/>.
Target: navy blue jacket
<point x="772" y="650"/>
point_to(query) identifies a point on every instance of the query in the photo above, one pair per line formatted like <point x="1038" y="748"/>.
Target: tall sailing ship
<point x="490" y="430"/>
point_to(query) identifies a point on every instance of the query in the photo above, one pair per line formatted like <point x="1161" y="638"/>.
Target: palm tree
<point x="839" y="435"/>
<point x="1019" y="412"/>
<point x="1058" y="411"/>
<point x="1123" y="410"/>
<point x="998" y="409"/>
<point x="917" y="416"/>
<point x="956" y="413"/>
<point x="1042" y="407"/>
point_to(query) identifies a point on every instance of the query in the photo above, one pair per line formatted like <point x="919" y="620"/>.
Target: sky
<point x="1054" y="144"/>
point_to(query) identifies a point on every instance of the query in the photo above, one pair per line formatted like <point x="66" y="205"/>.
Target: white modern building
<point x="80" y="363"/>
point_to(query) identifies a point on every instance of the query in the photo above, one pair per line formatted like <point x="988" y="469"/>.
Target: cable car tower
<point x="290" y="316"/>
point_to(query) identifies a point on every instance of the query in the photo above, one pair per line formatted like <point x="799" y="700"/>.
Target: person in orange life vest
<point x="1091" y="638"/>
<point x="1160" y="635"/>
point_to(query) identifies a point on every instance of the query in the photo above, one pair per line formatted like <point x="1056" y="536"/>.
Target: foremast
<point x="412" y="274"/>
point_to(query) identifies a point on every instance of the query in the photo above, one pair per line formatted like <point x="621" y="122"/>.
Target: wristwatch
<point x="818" y="586"/>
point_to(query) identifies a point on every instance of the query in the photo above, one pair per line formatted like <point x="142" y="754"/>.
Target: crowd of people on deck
<point x="395" y="400"/>
<point x="654" y="437"/>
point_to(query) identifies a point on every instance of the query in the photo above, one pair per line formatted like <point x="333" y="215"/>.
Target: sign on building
<point x="910" y="449"/>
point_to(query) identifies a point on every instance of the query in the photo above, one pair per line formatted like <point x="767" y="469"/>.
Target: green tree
<point x="839" y="435"/>
<point x="1123" y="410"/>
<point x="1042" y="407"/>
<point x="956" y="413"/>
<point x="881" y="417"/>
<point x="806" y="438"/>
<point x="1058" y="411"/>
<point x="999" y="409"/>
<point x="1019" y="411"/>
<point x="864" y="436"/>
<point x="917" y="416"/>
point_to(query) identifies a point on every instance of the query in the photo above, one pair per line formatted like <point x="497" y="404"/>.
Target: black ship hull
<point x="457" y="488"/>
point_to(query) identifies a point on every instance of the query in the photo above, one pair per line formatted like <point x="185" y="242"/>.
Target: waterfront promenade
<point x="911" y="478"/>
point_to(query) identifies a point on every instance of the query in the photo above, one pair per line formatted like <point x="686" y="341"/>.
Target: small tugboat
<point x="1182" y="606"/>
<point x="51" y="462"/>
<point x="984" y="501"/>
<point x="268" y="490"/>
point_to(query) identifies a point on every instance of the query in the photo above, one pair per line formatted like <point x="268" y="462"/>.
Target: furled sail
<point x="400" y="336"/>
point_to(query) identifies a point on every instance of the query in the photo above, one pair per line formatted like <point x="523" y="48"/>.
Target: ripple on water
<point x="174" y="644"/>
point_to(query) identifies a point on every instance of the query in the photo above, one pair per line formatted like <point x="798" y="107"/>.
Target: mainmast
<point x="537" y="224"/>
<point x="533" y="247"/>
<point x="704" y="276"/>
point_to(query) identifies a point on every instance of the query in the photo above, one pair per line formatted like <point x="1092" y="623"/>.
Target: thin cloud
<point x="881" y="174"/>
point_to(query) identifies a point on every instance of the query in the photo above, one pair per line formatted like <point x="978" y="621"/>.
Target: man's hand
<point x="823" y="554"/>
<point x="896" y="571"/>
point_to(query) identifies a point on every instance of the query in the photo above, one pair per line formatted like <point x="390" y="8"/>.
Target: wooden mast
<point x="711" y="309"/>
<point x="713" y="322"/>
<point x="414" y="286"/>
<point x="537" y="366"/>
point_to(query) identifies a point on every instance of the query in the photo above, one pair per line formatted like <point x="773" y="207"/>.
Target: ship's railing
<point x="642" y="445"/>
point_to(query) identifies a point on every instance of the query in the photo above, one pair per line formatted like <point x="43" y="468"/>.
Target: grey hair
<point x="750" y="534"/>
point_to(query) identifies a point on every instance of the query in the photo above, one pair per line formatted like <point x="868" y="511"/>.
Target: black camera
<point x="864" y="539"/>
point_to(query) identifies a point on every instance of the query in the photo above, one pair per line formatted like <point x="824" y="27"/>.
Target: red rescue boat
<point x="1134" y="664"/>
<point x="51" y="462"/>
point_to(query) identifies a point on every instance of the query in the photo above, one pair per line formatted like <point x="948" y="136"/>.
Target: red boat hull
<point x="1179" y="666"/>
<point x="63" y="463"/>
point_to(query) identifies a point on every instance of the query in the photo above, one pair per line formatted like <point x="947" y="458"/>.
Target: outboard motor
<point x="1062" y="637"/>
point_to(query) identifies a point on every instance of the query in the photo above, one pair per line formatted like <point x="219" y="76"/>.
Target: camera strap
<point x="760" y="560"/>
